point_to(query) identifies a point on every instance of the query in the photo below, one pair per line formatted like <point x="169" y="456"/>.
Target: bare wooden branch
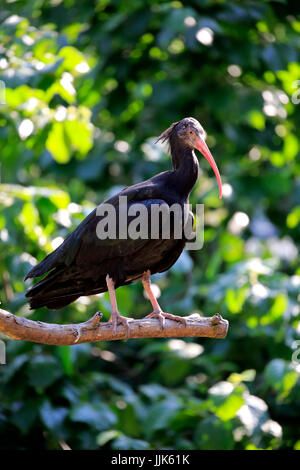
<point x="92" y="330"/>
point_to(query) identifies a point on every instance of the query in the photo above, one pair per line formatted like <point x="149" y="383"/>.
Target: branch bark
<point x="20" y="328"/>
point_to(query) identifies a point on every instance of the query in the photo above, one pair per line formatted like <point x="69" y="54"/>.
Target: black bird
<point x="85" y="264"/>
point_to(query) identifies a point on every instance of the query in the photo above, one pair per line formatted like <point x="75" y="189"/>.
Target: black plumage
<point x="83" y="263"/>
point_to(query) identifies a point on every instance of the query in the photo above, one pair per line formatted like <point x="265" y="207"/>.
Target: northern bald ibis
<point x="85" y="264"/>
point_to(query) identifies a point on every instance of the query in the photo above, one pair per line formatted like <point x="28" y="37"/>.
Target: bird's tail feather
<point x="61" y="256"/>
<point x="57" y="290"/>
<point x="51" y="292"/>
<point x="53" y="303"/>
<point x="43" y="267"/>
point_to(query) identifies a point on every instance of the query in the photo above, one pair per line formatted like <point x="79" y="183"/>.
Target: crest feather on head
<point x="167" y="133"/>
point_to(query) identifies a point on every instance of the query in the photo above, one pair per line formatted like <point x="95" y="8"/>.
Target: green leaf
<point x="25" y="415"/>
<point x="277" y="310"/>
<point x="235" y="299"/>
<point x="71" y="56"/>
<point x="58" y="143"/>
<point x="230" y="406"/>
<point x="160" y="414"/>
<point x="274" y="371"/>
<point x="43" y="371"/>
<point x="106" y="436"/>
<point x="293" y="218"/>
<point x="154" y="391"/>
<point x="127" y="443"/>
<point x="65" y="353"/>
<point x="280" y="377"/>
<point x="232" y="247"/>
<point x="214" y="434"/>
<point x="52" y="417"/>
<point x="290" y="147"/>
<point x="13" y="367"/>
<point x="257" y="120"/>
<point x="97" y="415"/>
<point x="80" y="136"/>
<point x="29" y="217"/>
<point x="227" y="399"/>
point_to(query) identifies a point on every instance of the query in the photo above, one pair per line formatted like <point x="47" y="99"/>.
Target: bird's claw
<point x="162" y="317"/>
<point x="117" y="319"/>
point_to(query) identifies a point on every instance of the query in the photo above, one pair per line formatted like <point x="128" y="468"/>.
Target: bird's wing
<point x="84" y="245"/>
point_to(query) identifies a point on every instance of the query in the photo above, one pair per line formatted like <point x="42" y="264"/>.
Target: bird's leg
<point x="115" y="315"/>
<point x="157" y="311"/>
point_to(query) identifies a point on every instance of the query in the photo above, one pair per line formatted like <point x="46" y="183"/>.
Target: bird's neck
<point x="186" y="169"/>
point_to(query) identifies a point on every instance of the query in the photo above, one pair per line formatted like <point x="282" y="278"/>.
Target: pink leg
<point x="157" y="311"/>
<point x="115" y="315"/>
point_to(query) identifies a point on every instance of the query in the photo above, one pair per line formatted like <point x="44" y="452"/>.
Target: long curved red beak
<point x="202" y="147"/>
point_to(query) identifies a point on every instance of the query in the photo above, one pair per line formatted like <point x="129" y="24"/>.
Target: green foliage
<point x="88" y="87"/>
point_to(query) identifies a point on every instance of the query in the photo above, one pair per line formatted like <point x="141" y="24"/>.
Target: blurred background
<point x="85" y="89"/>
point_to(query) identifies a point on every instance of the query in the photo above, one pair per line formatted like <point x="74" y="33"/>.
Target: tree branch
<point x="92" y="330"/>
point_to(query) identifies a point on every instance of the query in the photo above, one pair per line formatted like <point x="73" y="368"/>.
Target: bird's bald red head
<point x="191" y="134"/>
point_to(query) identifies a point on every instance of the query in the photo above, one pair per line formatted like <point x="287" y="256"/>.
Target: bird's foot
<point x="163" y="315"/>
<point x="116" y="319"/>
